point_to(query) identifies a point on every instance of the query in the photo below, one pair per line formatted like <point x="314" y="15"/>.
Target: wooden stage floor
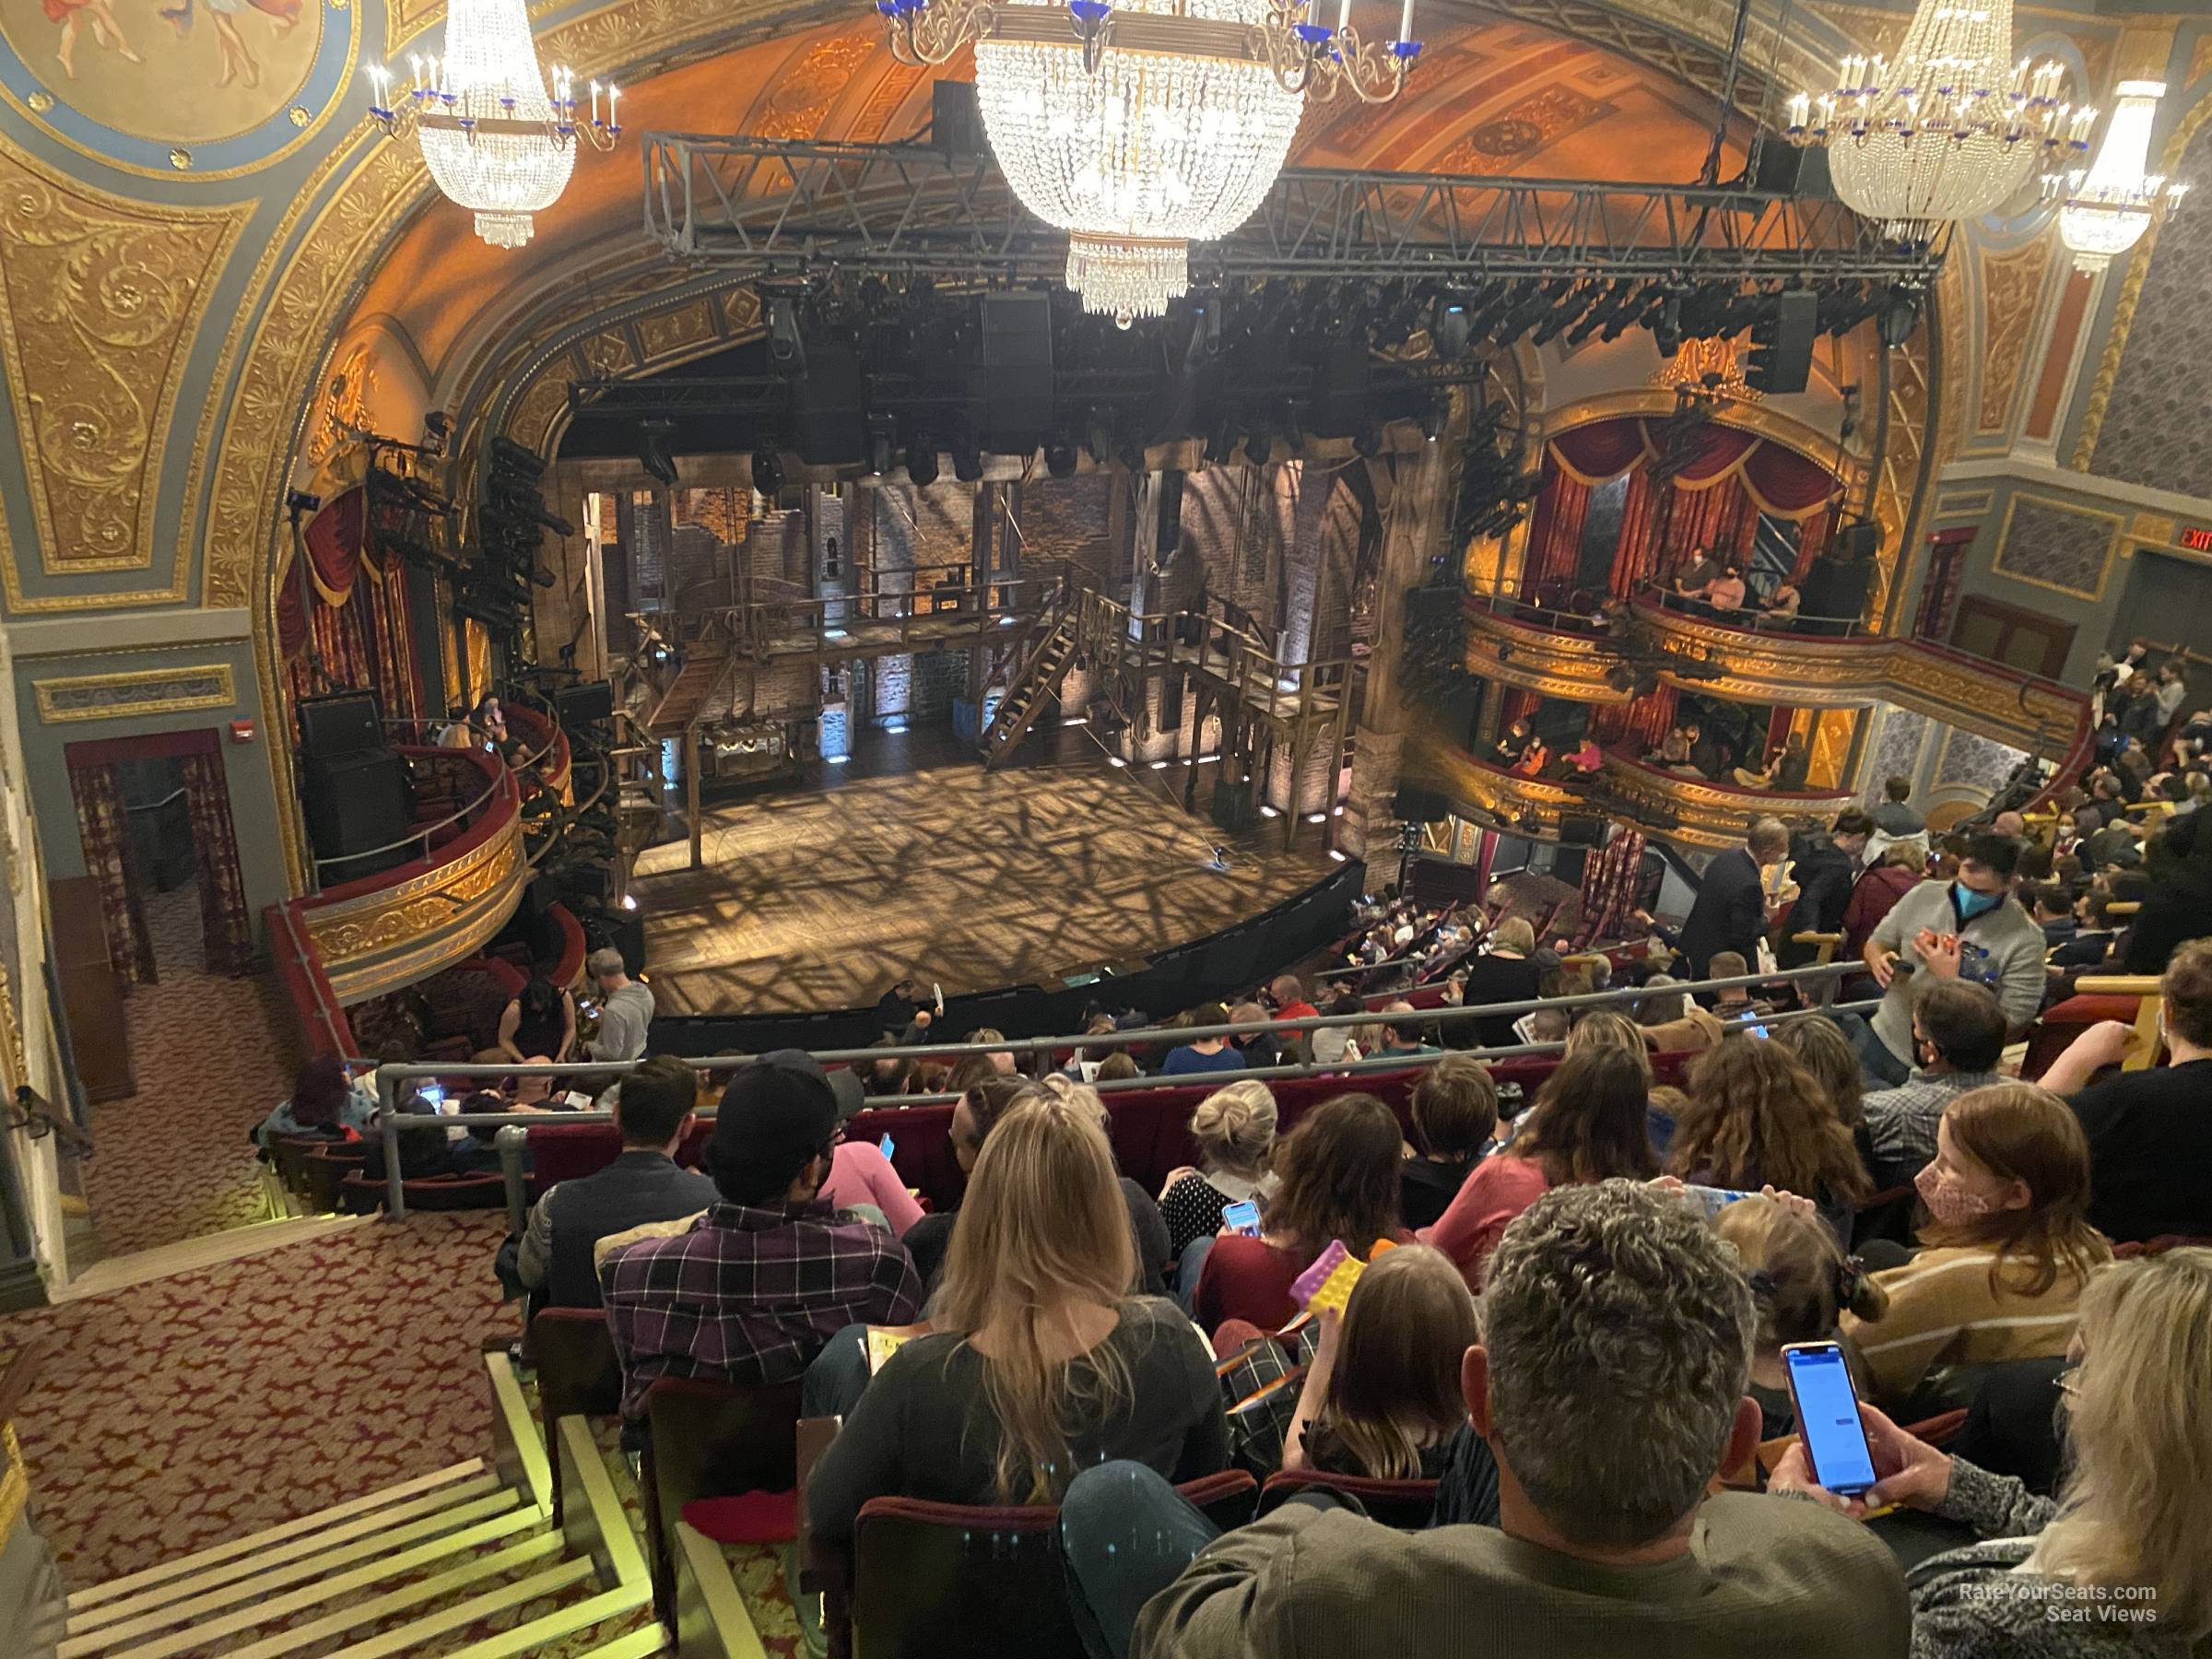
<point x="821" y="897"/>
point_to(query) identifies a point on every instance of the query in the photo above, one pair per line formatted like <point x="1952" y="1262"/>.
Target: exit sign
<point x="2197" y="538"/>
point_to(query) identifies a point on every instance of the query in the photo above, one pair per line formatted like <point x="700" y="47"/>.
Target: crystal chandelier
<point x="1949" y="130"/>
<point x="2108" y="208"/>
<point x="493" y="138"/>
<point x="1141" y="128"/>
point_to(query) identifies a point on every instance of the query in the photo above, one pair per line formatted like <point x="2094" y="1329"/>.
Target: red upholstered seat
<point x="747" y="1517"/>
<point x="1408" y="1505"/>
<point x="2062" y="1022"/>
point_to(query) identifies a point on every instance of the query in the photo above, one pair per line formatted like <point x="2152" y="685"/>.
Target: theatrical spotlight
<point x="1259" y="444"/>
<point x="1900" y="315"/>
<point x="654" y="437"/>
<point x="1098" y="436"/>
<point x="967" y="460"/>
<point x="921" y="463"/>
<point x="768" y="473"/>
<point x="882" y="436"/>
<point x="1667" y="333"/>
<point x="1060" y="456"/>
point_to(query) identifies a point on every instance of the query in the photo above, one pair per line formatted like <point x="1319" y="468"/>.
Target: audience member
<point x="1966" y="929"/>
<point x="327" y="1103"/>
<point x="1512" y="746"/>
<point x="539" y="1020"/>
<point x="2005" y="1252"/>
<point x="625" y="1008"/>
<point x="1289" y="996"/>
<point x="860" y="1171"/>
<point x="1337" y="1171"/>
<point x="1337" y="1045"/>
<point x="2150" y="1132"/>
<point x="1821" y="1048"/>
<point x="1616" y="1343"/>
<point x="1382" y="1398"/>
<point x="2094" y="937"/>
<point x="1120" y="1067"/>
<point x="1039" y="1361"/>
<point x="654" y="1112"/>
<point x="1895" y="817"/>
<point x="424" y="1151"/>
<point x="1589" y="1125"/>
<point x="1731" y="1002"/>
<point x="1757" y="1118"/>
<point x="2053" y="910"/>
<point x="1233" y="1129"/>
<point x="1401" y="1038"/>
<point x="2127" y="1529"/>
<point x="1802" y="1284"/>
<point x="1672" y="1023"/>
<point x="751" y="1292"/>
<point x="1957" y="1038"/>
<point x="1503" y="973"/>
<point x="1454" y="1112"/>
<point x="1207" y="1053"/>
<point x="1735" y="906"/>
<point x="1826" y="869"/>
<point x="1901" y="867"/>
<point x="477" y="1152"/>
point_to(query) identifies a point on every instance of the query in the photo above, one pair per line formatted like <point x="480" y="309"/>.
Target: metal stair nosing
<point x="412" y="1636"/>
<point x="96" y="1594"/>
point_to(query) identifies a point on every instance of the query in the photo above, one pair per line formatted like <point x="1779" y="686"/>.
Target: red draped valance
<point x="1779" y="480"/>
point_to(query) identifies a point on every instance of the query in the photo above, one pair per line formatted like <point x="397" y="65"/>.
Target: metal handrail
<point x="508" y="769"/>
<point x="392" y="1074"/>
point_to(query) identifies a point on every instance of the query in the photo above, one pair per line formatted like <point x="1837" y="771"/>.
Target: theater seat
<point x="934" y="1580"/>
<point x="359" y="1193"/>
<point x="1408" y="1505"/>
<point x="579" y="1374"/>
<point x="726" y="1455"/>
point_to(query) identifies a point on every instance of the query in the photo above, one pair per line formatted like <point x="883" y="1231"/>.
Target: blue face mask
<point x="1970" y="904"/>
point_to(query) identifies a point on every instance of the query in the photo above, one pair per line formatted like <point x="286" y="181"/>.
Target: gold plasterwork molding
<point x="1706" y="815"/>
<point x="1489" y="791"/>
<point x="2012" y="290"/>
<point x="2131" y="295"/>
<point x="100" y="299"/>
<point x="382" y="940"/>
<point x="15" y="1482"/>
<point x="1557" y="664"/>
<point x="143" y="692"/>
<point x="1964" y="503"/>
<point x="1800" y="671"/>
<point x="1977" y="699"/>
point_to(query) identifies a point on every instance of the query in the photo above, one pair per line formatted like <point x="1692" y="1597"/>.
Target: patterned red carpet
<point x="199" y="1407"/>
<point x="213" y="1057"/>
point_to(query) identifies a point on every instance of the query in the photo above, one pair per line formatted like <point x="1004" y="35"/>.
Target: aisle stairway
<point x="1037" y="683"/>
<point x="466" y="1561"/>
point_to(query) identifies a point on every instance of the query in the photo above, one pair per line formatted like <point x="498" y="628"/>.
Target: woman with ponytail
<point x="1041" y="1363"/>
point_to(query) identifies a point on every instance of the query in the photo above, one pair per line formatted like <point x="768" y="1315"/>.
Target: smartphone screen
<point x="433" y="1095"/>
<point x="1243" y="1217"/>
<point x="1828" y="1417"/>
<point x="884" y="1147"/>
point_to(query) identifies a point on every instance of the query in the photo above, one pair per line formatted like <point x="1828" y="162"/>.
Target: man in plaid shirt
<point x="755" y="1287"/>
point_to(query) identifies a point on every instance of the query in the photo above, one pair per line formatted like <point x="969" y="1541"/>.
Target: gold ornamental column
<point x="1415" y="506"/>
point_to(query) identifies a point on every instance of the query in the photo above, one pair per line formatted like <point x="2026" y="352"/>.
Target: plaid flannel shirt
<point x="750" y="1295"/>
<point x="1900" y="1122"/>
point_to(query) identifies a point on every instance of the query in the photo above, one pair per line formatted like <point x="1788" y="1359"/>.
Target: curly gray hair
<point x="1618" y="1327"/>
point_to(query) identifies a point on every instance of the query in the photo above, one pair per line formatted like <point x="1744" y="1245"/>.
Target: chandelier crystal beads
<point x="1143" y="127"/>
<point x="496" y="140"/>
<point x="1949" y="129"/>
<point x="2106" y="209"/>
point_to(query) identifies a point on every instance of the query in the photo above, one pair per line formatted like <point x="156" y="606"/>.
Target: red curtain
<point x="1600" y="452"/>
<point x="1555" y="530"/>
<point x="1516" y="704"/>
<point x="1610" y="876"/>
<point x="226" y="932"/>
<point x="1632" y="563"/>
<point x="1812" y="539"/>
<point x="1638" y="726"/>
<point x="352" y="630"/>
<point x="105" y="831"/>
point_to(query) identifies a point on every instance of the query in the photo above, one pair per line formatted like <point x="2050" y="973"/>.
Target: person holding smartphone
<point x="2117" y="1563"/>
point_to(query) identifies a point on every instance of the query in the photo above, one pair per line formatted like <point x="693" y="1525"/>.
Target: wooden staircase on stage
<point x="1037" y="683"/>
<point x="467" y="1561"/>
<point x="695" y="682"/>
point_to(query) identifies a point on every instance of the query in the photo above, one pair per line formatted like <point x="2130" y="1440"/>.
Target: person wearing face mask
<point x="1966" y="928"/>
<point x="2006" y="1251"/>
<point x="1957" y="1038"/>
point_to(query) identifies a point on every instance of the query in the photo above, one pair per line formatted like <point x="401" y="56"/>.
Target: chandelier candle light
<point x="1947" y="130"/>
<point x="2108" y="208"/>
<point x="1142" y="127"/>
<point x="494" y="138"/>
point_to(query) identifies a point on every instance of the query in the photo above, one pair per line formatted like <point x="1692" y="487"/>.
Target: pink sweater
<point x="859" y="1173"/>
<point x="1499" y="1189"/>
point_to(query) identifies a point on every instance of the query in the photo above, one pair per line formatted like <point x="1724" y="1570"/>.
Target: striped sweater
<point x="1944" y="1311"/>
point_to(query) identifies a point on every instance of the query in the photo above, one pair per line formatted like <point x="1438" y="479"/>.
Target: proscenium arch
<point x="364" y="196"/>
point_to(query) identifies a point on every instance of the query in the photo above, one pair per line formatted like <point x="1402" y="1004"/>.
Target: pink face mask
<point x="1950" y="1204"/>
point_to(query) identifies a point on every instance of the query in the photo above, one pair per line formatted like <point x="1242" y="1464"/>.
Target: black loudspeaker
<point x="1784" y="170"/>
<point x="1346" y="375"/>
<point x="585" y="702"/>
<point x="956" y="119"/>
<point x="828" y="413"/>
<point x="1781" y="358"/>
<point x="1233" y="807"/>
<point x="1418" y="803"/>
<point x="1012" y="396"/>
<point x="356" y="802"/>
<point x="1582" y="830"/>
<point x="344" y="723"/>
<point x="1860" y="541"/>
<point x="1429" y="606"/>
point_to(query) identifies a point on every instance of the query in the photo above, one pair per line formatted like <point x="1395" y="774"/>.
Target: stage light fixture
<point x="1434" y="416"/>
<point x="967" y="460"/>
<point x="921" y="463"/>
<point x="1900" y="315"/>
<point x="1259" y="445"/>
<point x="882" y="438"/>
<point x="1060" y="456"/>
<point x="768" y="473"/>
<point x="654" y="437"/>
<point x="1449" y="328"/>
<point x="1368" y="443"/>
<point x="1667" y="334"/>
<point x="1098" y="436"/>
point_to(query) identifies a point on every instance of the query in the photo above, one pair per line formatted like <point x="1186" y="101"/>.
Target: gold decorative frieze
<point x="1964" y="503"/>
<point x="1801" y="671"/>
<point x="1577" y="667"/>
<point x="2012" y="288"/>
<point x="100" y="299"/>
<point x="1712" y="815"/>
<point x="381" y="940"/>
<point x="142" y="691"/>
<point x="1983" y="698"/>
<point x="1490" y="792"/>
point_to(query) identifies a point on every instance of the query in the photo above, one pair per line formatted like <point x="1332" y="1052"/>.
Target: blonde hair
<point x="1395" y="1386"/>
<point x="1044" y="1228"/>
<point x="1513" y="934"/>
<point x="1601" y="1028"/>
<point x="1801" y="1280"/>
<point x="1234" y="1127"/>
<point x="2137" y="1506"/>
